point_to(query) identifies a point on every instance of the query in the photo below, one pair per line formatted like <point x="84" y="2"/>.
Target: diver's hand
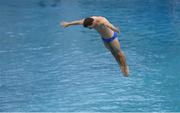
<point x="64" y="24"/>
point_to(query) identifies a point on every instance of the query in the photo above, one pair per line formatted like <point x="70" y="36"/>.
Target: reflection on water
<point x="46" y="68"/>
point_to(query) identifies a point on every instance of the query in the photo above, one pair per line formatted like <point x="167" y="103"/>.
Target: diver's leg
<point x="122" y="61"/>
<point x="119" y="56"/>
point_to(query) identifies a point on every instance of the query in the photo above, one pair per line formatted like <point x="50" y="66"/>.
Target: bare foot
<point x="125" y="70"/>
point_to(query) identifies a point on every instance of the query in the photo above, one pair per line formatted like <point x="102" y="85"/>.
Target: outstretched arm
<point x="66" y="24"/>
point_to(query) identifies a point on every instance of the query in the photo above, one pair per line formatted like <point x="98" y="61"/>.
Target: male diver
<point x="108" y="34"/>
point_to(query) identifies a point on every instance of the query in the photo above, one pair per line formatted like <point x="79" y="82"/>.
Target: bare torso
<point x="104" y="31"/>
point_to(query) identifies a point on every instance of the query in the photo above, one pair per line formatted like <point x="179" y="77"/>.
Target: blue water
<point x="44" y="67"/>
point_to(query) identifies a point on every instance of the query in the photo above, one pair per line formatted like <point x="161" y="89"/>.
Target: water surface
<point x="44" y="67"/>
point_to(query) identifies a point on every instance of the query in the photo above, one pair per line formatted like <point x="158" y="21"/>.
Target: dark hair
<point x="88" y="21"/>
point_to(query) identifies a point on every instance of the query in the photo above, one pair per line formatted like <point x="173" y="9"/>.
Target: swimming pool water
<point x="44" y="67"/>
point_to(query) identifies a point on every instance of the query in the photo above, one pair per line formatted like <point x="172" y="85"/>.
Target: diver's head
<point x="89" y="22"/>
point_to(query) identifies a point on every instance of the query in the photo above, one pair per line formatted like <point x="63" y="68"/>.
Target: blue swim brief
<point x="110" y="39"/>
